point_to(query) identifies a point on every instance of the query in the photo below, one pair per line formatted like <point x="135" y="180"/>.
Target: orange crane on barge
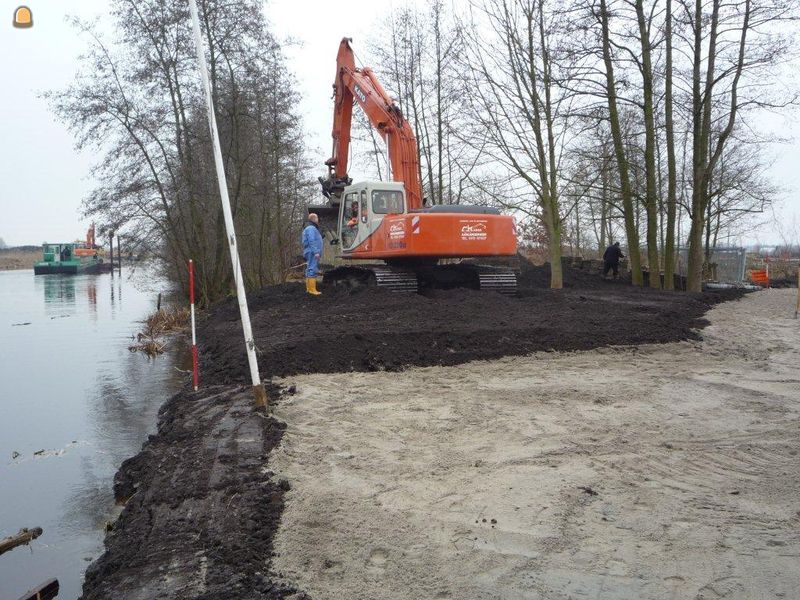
<point x="386" y="220"/>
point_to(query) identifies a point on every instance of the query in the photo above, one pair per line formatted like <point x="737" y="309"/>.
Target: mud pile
<point x="371" y="329"/>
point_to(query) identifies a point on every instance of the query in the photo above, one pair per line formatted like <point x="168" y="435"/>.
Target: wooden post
<point x="111" y="250"/>
<point x="797" y="308"/>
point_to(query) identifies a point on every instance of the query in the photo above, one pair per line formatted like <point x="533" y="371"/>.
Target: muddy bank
<point x="375" y="330"/>
<point x="202" y="506"/>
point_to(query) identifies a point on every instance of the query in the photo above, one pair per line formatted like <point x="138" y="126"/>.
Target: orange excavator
<point x="89" y="248"/>
<point x="387" y="221"/>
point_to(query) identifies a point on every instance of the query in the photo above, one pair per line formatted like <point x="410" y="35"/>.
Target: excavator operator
<point x="353" y="216"/>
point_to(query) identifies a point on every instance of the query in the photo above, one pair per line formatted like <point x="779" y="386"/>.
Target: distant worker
<point x="312" y="248"/>
<point x="611" y="259"/>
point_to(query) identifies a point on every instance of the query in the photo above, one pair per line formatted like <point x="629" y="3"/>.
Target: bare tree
<point x="672" y="174"/>
<point x="732" y="44"/>
<point x="623" y="167"/>
<point x="739" y="194"/>
<point x="137" y="101"/>
<point x="419" y="58"/>
<point x="651" y="193"/>
<point x="517" y="106"/>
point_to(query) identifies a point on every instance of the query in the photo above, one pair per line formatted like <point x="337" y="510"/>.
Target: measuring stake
<point x="797" y="308"/>
<point x="258" y="390"/>
<point x="195" y="374"/>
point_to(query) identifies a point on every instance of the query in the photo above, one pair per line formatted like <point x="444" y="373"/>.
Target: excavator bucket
<point x="328" y="214"/>
<point x="328" y="218"/>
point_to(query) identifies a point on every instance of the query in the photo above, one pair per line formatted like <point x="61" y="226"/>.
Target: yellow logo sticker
<point x="23" y="17"/>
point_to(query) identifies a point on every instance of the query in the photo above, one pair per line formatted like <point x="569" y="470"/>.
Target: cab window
<point x="386" y="202"/>
<point x="349" y="226"/>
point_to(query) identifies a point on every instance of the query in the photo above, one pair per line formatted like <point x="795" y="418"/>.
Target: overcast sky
<point x="44" y="179"/>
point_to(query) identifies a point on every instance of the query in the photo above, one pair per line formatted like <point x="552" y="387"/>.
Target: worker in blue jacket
<point x="312" y="248"/>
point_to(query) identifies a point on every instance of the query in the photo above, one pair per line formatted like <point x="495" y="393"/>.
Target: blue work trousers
<point x="312" y="264"/>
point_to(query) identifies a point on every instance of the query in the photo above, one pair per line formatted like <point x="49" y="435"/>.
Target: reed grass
<point x="159" y="324"/>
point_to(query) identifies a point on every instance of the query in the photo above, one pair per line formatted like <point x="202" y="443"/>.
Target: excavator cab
<point x="362" y="209"/>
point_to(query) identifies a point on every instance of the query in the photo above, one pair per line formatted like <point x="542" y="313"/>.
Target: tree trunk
<point x="619" y="150"/>
<point x="651" y="199"/>
<point x="550" y="183"/>
<point x="672" y="177"/>
<point x="603" y="207"/>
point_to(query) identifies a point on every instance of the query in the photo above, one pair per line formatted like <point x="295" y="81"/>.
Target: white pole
<point x="195" y="374"/>
<point x="258" y="389"/>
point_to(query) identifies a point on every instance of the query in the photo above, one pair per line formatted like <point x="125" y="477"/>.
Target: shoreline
<point x="18" y="260"/>
<point x="203" y="504"/>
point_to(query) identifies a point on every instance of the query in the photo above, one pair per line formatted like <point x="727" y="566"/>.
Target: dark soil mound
<point x="201" y="514"/>
<point x="587" y="277"/>
<point x="372" y="329"/>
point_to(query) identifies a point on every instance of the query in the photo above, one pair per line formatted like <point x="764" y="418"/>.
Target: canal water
<point x="74" y="403"/>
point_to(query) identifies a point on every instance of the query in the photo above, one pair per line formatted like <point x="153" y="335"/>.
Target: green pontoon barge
<point x="70" y="259"/>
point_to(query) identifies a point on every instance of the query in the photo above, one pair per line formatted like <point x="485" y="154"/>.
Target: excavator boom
<point x="362" y="86"/>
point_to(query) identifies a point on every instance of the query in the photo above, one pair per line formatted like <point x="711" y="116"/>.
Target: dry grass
<point x="156" y="326"/>
<point x="167" y="320"/>
<point x="18" y="259"/>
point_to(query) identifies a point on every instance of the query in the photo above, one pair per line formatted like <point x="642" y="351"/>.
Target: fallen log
<point x="24" y="536"/>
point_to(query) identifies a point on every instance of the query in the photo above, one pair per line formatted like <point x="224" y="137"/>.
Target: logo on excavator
<point x="397" y="230"/>
<point x="473" y="230"/>
<point x="360" y="93"/>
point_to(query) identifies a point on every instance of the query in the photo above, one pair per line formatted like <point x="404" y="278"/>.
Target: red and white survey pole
<point x="195" y="374"/>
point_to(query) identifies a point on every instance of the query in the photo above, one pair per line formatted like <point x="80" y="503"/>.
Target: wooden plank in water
<point x="46" y="591"/>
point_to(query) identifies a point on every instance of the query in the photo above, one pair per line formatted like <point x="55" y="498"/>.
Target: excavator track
<point x="390" y="278"/>
<point x="503" y="281"/>
<point x="410" y="280"/>
<point x="395" y="279"/>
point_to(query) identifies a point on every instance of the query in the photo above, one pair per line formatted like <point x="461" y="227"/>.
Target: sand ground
<point x="664" y="471"/>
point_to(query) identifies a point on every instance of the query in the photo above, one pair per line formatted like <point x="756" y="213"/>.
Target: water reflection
<point x="91" y="294"/>
<point x="69" y="384"/>
<point x="58" y="289"/>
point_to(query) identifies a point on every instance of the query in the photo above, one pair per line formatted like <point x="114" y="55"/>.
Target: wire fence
<point x="727" y="264"/>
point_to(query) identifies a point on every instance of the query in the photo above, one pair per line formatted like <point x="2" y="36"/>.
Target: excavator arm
<point x="360" y="85"/>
